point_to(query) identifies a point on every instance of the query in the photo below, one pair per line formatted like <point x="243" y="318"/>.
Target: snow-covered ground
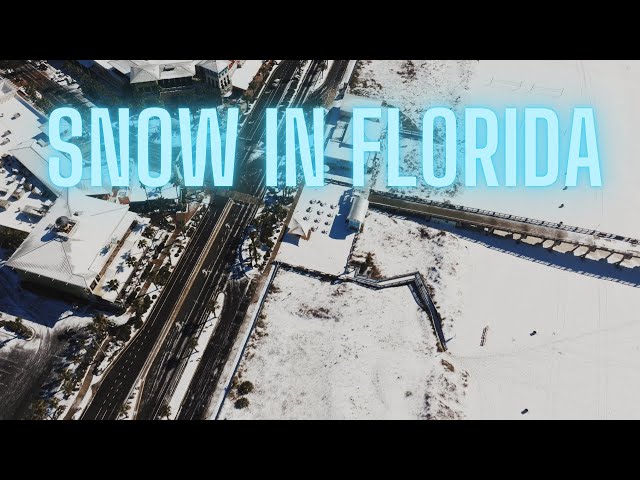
<point x="609" y="87"/>
<point x="579" y="363"/>
<point x="327" y="351"/>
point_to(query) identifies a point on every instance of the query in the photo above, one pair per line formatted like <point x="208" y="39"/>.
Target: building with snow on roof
<point x="75" y="247"/>
<point x="338" y="150"/>
<point x="172" y="76"/>
<point x="358" y="211"/>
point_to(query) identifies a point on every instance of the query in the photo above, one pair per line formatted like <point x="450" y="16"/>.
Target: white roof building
<point x="244" y="73"/>
<point x="358" y="212"/>
<point x="339" y="147"/>
<point x="74" y="242"/>
<point x="18" y="120"/>
<point x="35" y="154"/>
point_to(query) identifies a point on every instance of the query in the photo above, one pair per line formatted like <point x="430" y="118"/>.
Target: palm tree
<point x="176" y="181"/>
<point x="192" y="344"/>
<point x="212" y="305"/>
<point x="142" y="243"/>
<point x="124" y="410"/>
<point x="144" y="187"/>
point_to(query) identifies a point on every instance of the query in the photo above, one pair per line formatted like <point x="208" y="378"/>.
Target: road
<point x="28" y="74"/>
<point x="332" y="82"/>
<point x="122" y="375"/>
<point x="168" y="366"/>
<point x="205" y="380"/>
<point x="166" y="370"/>
<point x="159" y="345"/>
<point x="168" y="347"/>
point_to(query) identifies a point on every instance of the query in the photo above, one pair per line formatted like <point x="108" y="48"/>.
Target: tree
<point x="124" y="410"/>
<point x="241" y="403"/>
<point x="165" y="411"/>
<point x="144" y="187"/>
<point x="131" y="261"/>
<point x="245" y="388"/>
<point x="40" y="410"/>
<point x="212" y="305"/>
<point x="142" y="243"/>
<point x="176" y="181"/>
<point x="113" y="284"/>
<point x="99" y="326"/>
<point x="192" y="344"/>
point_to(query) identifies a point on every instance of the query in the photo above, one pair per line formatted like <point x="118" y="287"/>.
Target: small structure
<point x="17" y="194"/>
<point x="33" y="212"/>
<point x="359" y="207"/>
<point x="300" y="228"/>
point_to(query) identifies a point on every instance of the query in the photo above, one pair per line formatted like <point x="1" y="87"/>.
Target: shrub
<point x="245" y="388"/>
<point x="241" y="403"/>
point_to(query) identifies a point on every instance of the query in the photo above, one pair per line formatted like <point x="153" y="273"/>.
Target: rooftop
<point x="325" y="209"/>
<point x="18" y="122"/>
<point x="244" y="74"/>
<point x="349" y="101"/>
<point x="34" y="155"/>
<point x="77" y="255"/>
<point x="20" y="194"/>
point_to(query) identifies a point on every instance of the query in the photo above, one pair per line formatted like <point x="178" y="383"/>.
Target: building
<point x="170" y="76"/>
<point x="358" y="212"/>
<point x="74" y="242"/>
<point x="246" y="72"/>
<point x="22" y="194"/>
<point x="339" y="131"/>
<point x="73" y="246"/>
<point x="217" y="74"/>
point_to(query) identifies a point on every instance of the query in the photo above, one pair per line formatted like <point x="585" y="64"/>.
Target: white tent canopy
<point x="299" y="227"/>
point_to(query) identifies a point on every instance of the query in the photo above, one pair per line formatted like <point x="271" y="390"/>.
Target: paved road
<point x="168" y="364"/>
<point x="171" y="345"/>
<point x="123" y="373"/>
<point x="205" y="380"/>
<point x="167" y="368"/>
<point x="165" y="372"/>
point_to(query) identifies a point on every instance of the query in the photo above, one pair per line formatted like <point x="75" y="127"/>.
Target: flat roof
<point x="16" y="117"/>
<point x="338" y="151"/>
<point x="372" y="132"/>
<point x="328" y="246"/>
<point x="244" y="74"/>
<point x="349" y="101"/>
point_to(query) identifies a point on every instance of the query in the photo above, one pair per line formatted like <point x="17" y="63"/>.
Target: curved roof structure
<point x="358" y="210"/>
